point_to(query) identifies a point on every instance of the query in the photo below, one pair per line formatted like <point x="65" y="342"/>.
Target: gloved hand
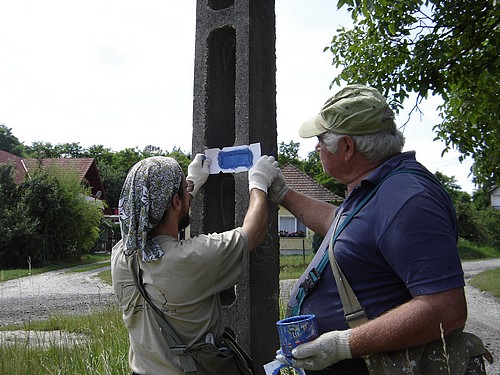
<point x="326" y="350"/>
<point x="262" y="174"/>
<point x="198" y="172"/>
<point x="278" y="189"/>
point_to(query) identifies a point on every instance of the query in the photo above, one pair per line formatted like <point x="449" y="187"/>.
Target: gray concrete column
<point x="235" y="104"/>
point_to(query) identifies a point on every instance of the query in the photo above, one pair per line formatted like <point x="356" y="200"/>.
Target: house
<point x="495" y="197"/>
<point x="294" y="235"/>
<point x="85" y="167"/>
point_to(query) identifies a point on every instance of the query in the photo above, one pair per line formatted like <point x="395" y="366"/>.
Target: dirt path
<point x="38" y="297"/>
<point x="60" y="292"/>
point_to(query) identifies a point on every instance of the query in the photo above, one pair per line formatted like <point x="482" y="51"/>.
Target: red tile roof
<point x="18" y="162"/>
<point x="80" y="165"/>
<point x="305" y="184"/>
<point x="85" y="167"/>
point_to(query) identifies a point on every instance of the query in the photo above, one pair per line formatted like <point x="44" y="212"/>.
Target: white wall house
<point x="294" y="235"/>
<point x="495" y="197"/>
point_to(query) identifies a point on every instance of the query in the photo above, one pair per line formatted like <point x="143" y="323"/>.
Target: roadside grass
<point x="292" y="266"/>
<point x="90" y="267"/>
<point x="6" y="275"/>
<point x="488" y="281"/>
<point x="103" y="351"/>
<point x="471" y="251"/>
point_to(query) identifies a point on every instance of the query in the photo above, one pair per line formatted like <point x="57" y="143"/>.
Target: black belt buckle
<point x="310" y="280"/>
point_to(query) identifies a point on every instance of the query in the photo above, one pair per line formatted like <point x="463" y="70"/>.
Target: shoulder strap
<point x="315" y="273"/>
<point x="354" y="313"/>
<point x="173" y="341"/>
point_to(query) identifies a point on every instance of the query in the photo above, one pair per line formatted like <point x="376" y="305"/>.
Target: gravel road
<point x="60" y="292"/>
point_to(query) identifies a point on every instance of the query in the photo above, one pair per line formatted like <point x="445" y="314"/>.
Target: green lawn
<point x="488" y="281"/>
<point x="21" y="272"/>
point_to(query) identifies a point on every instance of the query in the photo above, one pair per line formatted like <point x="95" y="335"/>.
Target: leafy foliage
<point x="17" y="229"/>
<point x="445" y="48"/>
<point x="46" y="218"/>
<point x="289" y="153"/>
<point x="9" y="142"/>
<point x="112" y="166"/>
<point x="476" y="222"/>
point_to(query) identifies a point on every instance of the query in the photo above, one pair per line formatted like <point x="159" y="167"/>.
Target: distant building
<point x="495" y="197"/>
<point x="85" y="167"/>
<point x="294" y="235"/>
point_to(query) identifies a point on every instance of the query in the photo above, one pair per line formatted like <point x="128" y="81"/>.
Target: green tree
<point x="447" y="48"/>
<point x="476" y="221"/>
<point x="100" y="153"/>
<point x="112" y="179"/>
<point x="82" y="216"/>
<point x="70" y="150"/>
<point x="9" y="142"/>
<point x="68" y="224"/>
<point x="313" y="167"/>
<point x="125" y="159"/>
<point x="41" y="150"/>
<point x="289" y="154"/>
<point x="182" y="158"/>
<point x="17" y="230"/>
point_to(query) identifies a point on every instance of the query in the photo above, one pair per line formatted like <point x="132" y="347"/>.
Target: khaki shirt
<point x="184" y="284"/>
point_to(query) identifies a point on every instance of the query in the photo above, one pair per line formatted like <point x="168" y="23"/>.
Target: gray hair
<point x="375" y="147"/>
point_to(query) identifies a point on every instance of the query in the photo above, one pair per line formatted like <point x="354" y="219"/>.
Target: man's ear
<point x="176" y="201"/>
<point x="349" y="147"/>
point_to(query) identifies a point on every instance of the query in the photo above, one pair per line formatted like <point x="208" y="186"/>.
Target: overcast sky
<point x="119" y="73"/>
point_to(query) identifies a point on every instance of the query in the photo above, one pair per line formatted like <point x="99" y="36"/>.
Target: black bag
<point x="224" y="357"/>
<point x="459" y="353"/>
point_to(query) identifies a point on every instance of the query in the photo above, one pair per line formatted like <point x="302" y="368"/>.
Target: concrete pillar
<point x="235" y="104"/>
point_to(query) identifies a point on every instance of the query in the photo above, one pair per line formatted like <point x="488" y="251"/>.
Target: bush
<point x="46" y="218"/>
<point x="470" y="251"/>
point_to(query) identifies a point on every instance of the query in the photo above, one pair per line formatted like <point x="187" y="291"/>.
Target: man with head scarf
<point x="182" y="278"/>
<point x="398" y="252"/>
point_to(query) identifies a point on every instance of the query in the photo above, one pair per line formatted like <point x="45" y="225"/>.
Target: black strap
<point x="176" y="346"/>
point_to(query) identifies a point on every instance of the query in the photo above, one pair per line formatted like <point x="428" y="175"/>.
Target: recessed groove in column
<point x="220" y="4"/>
<point x="220" y="99"/>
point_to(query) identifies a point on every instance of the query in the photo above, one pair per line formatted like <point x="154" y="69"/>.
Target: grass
<point x="22" y="272"/>
<point x="488" y="281"/>
<point x="104" y="352"/>
<point x="90" y="267"/>
<point x="292" y="266"/>
<point x="471" y="251"/>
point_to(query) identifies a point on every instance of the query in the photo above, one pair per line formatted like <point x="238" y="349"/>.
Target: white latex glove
<point x="262" y="174"/>
<point x="326" y="350"/>
<point x="198" y="172"/>
<point x="278" y="189"/>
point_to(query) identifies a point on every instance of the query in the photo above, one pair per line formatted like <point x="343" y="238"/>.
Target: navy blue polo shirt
<point x="402" y="244"/>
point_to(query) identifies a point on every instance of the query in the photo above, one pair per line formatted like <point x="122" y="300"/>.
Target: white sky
<point x="120" y="73"/>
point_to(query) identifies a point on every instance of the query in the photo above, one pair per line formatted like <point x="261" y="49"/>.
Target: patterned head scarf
<point x="146" y="194"/>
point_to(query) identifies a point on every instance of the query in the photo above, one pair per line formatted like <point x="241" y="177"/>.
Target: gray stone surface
<point x="235" y="104"/>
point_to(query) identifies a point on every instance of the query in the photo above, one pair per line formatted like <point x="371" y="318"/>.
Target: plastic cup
<point x="296" y="330"/>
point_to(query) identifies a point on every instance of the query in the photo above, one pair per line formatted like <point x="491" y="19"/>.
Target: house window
<point x="291" y="227"/>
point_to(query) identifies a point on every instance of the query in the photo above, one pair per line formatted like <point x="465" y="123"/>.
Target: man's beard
<point x="184" y="221"/>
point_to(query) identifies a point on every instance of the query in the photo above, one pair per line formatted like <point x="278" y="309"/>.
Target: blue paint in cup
<point x="296" y="330"/>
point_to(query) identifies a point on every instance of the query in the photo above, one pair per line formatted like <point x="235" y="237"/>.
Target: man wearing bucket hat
<point x="182" y="278"/>
<point x="398" y="252"/>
